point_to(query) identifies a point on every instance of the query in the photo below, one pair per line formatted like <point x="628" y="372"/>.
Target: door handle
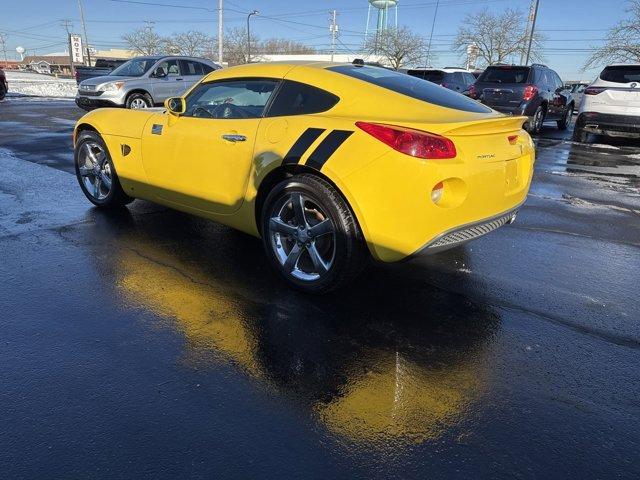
<point x="179" y="79"/>
<point x="233" y="137"/>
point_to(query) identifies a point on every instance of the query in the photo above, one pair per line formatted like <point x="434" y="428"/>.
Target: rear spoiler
<point x="488" y="126"/>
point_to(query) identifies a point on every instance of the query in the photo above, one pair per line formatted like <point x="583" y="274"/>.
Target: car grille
<point x="88" y="93"/>
<point x="469" y="233"/>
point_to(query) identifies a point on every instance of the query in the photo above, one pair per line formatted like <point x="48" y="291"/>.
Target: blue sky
<point x="571" y="26"/>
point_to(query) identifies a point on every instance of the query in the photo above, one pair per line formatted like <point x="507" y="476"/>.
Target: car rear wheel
<point x="536" y="122"/>
<point x="96" y="174"/>
<point x="310" y="235"/>
<point x="565" y="121"/>
<point x="3" y="91"/>
<point x="138" y="101"/>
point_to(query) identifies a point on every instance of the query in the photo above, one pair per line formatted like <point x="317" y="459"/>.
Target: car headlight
<point x="112" y="86"/>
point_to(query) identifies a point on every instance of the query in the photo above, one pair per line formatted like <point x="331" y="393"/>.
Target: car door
<point x="191" y="73"/>
<point x="560" y="94"/>
<point x="166" y="80"/>
<point x="201" y="159"/>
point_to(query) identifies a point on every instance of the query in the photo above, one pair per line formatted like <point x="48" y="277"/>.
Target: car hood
<point x="95" y="81"/>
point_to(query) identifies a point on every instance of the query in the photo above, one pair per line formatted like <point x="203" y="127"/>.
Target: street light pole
<point x="220" y="32"/>
<point x="533" y="28"/>
<point x="254" y="12"/>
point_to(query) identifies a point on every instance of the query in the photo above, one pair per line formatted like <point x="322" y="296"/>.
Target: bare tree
<point x="191" y="43"/>
<point x="498" y="36"/>
<point x="284" y="46"/>
<point x="398" y="47"/>
<point x="235" y="45"/>
<point x="145" y="41"/>
<point x="623" y="40"/>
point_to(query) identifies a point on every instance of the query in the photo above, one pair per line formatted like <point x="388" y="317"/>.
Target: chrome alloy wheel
<point x="138" y="103"/>
<point x="95" y="170"/>
<point x="303" y="237"/>
<point x="538" y="120"/>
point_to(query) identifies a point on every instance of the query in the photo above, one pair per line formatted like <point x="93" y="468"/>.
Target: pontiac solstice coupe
<point x="330" y="164"/>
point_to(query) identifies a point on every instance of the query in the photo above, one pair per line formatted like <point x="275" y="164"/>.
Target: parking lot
<point x="152" y="344"/>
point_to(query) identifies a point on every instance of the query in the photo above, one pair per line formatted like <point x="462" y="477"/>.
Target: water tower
<point x="383" y="7"/>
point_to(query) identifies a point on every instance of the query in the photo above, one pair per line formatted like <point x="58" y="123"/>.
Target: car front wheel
<point x="311" y="236"/>
<point x="534" y="126"/>
<point x="565" y="121"/>
<point x="138" y="101"/>
<point x="96" y="174"/>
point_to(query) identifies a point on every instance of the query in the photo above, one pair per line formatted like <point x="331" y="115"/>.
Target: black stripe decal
<point x="296" y="152"/>
<point x="327" y="148"/>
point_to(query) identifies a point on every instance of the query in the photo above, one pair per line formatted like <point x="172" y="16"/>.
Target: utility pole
<point x="220" y="33"/>
<point x="333" y="28"/>
<point x="4" y="48"/>
<point x="433" y="26"/>
<point x="84" y="29"/>
<point x="531" y="33"/>
<point x="66" y="24"/>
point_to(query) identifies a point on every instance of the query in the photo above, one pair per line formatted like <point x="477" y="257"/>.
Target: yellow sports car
<point x="329" y="163"/>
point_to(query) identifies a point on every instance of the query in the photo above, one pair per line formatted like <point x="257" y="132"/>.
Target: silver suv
<point x="143" y="82"/>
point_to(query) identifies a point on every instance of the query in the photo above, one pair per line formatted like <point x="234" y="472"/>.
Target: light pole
<point x="254" y="12"/>
<point x="433" y="26"/>
<point x="533" y="28"/>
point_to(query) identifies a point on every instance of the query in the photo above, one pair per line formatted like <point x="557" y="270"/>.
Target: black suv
<point x="455" y="79"/>
<point x="535" y="92"/>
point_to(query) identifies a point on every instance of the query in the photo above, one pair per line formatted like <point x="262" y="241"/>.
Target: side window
<point x="206" y="68"/>
<point x="295" y="98"/>
<point x="230" y="99"/>
<point x="469" y="78"/>
<point x="170" y="67"/>
<point x="559" y="82"/>
<point x="189" y="67"/>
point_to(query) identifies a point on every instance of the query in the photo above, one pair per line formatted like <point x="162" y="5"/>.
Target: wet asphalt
<point x="151" y="344"/>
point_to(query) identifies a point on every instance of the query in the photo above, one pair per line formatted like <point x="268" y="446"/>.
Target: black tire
<point x="534" y="126"/>
<point x="3" y="92"/>
<point x="349" y="253"/>
<point x="565" y="121"/>
<point x="137" y="97"/>
<point x="579" y="135"/>
<point x="115" y="198"/>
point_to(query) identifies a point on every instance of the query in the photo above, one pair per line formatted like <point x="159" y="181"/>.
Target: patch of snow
<point x="35" y="84"/>
<point x="604" y="146"/>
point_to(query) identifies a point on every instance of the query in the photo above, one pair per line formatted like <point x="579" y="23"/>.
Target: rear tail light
<point x="513" y="139"/>
<point x="472" y="91"/>
<point x="530" y="91"/>
<point x="594" y="90"/>
<point x="414" y="143"/>
<point x="444" y="85"/>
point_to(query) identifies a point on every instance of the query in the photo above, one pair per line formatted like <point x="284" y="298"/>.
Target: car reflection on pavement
<point x="377" y="365"/>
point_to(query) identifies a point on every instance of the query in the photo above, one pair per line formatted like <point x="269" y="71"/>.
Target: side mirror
<point x="175" y="105"/>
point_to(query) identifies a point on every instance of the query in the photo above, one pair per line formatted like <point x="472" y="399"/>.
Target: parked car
<point x="293" y="153"/>
<point x="103" y="67"/>
<point x="456" y="79"/>
<point x="4" y="85"/>
<point x="577" y="91"/>
<point x="611" y="104"/>
<point x="143" y="82"/>
<point x="534" y="91"/>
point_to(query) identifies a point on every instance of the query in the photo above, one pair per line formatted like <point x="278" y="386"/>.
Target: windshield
<point x="505" y="75"/>
<point x="411" y="87"/>
<point x="135" y="67"/>
<point x="621" y="74"/>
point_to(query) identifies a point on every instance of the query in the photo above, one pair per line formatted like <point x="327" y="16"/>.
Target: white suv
<point x="611" y="104"/>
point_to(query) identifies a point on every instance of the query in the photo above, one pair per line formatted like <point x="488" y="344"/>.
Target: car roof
<point x="623" y="65"/>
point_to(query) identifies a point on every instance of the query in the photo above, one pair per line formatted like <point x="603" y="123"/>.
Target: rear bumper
<point x="461" y="235"/>
<point x="609" y="124"/>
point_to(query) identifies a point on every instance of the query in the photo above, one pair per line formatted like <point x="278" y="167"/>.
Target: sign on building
<point x="76" y="49"/>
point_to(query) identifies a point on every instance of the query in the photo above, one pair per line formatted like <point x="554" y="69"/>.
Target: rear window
<point x="505" y="75"/>
<point x="621" y="74"/>
<point x="435" y="76"/>
<point x="411" y="87"/>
